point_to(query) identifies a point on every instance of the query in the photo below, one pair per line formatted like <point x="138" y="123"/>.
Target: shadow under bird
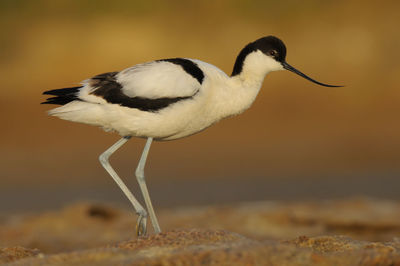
<point x="168" y="99"/>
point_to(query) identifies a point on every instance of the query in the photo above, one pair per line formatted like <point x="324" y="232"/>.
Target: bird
<point x="168" y="99"/>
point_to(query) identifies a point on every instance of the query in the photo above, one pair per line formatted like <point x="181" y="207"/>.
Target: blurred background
<point x="297" y="141"/>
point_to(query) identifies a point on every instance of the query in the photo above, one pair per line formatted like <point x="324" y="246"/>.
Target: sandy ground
<point x="346" y="232"/>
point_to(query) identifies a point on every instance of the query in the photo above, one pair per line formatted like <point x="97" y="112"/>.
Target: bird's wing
<point x="167" y="78"/>
<point x="148" y="87"/>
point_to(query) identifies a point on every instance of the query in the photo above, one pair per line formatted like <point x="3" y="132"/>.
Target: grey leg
<point x="142" y="183"/>
<point x="142" y="219"/>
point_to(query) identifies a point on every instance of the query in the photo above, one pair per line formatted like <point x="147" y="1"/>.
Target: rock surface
<point x="266" y="233"/>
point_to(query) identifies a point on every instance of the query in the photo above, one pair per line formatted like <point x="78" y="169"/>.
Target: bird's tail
<point x="62" y="96"/>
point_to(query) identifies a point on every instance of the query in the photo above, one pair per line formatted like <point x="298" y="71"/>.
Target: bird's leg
<point x="142" y="219"/>
<point x="142" y="183"/>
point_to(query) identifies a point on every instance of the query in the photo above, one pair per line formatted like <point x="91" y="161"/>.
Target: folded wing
<point x="149" y="86"/>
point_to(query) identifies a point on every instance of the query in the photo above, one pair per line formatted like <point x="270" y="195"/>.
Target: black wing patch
<point x="110" y="90"/>
<point x="62" y="96"/>
<point x="189" y="66"/>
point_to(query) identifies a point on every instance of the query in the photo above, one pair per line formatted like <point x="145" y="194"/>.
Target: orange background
<point x="294" y="131"/>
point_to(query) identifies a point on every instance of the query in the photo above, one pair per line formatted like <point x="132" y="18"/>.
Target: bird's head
<point x="268" y="54"/>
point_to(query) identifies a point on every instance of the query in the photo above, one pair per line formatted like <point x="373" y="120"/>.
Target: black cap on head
<point x="269" y="45"/>
<point x="275" y="48"/>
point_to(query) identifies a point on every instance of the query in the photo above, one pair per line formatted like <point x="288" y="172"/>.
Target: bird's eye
<point x="272" y="53"/>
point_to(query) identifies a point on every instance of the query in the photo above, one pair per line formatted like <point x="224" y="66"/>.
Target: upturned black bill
<point x="292" y="69"/>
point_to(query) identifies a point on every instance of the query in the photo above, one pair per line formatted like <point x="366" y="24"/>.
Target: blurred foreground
<point x="270" y="233"/>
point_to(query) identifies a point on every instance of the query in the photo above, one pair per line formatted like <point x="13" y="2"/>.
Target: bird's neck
<point x="251" y="77"/>
<point x="245" y="88"/>
<point x="245" y="83"/>
<point x="238" y="95"/>
<point x="247" y="78"/>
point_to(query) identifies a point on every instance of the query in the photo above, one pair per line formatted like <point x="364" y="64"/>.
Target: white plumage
<point x="168" y="99"/>
<point x="217" y="97"/>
